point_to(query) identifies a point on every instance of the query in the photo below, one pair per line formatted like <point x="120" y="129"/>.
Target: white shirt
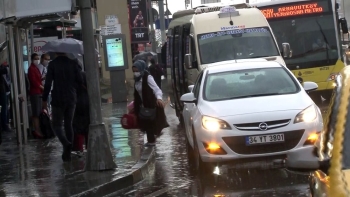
<point x="41" y="68"/>
<point x="43" y="74"/>
<point x="152" y="84"/>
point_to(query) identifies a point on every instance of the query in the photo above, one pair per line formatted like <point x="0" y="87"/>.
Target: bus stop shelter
<point x="20" y="17"/>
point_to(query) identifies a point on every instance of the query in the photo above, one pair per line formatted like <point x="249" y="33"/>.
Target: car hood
<point x="261" y="104"/>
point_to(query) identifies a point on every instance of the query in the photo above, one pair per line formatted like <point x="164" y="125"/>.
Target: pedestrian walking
<point x="148" y="103"/>
<point x="35" y="91"/>
<point x="65" y="76"/>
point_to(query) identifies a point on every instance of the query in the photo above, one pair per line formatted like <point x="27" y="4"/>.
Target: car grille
<point x="237" y="144"/>
<point x="255" y="126"/>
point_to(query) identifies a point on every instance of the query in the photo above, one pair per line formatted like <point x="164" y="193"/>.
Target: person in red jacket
<point x="35" y="91"/>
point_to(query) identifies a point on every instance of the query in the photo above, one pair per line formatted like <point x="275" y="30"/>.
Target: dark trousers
<point x="150" y="136"/>
<point x="66" y="114"/>
<point x="149" y="128"/>
<point x="4" y="111"/>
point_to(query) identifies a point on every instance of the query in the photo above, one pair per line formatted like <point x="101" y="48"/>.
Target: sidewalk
<point x="37" y="169"/>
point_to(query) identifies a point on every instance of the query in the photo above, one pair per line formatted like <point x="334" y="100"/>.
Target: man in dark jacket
<point x="156" y="71"/>
<point x="66" y="77"/>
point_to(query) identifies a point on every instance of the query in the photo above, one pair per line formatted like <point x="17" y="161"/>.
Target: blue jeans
<point x="66" y="114"/>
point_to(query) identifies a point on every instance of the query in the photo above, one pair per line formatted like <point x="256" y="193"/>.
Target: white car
<point x="250" y="111"/>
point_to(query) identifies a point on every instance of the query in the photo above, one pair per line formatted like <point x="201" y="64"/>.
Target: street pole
<point x="31" y="39"/>
<point x="162" y="20"/>
<point x="21" y="83"/>
<point x="13" y="71"/>
<point x="153" y="40"/>
<point x="166" y="7"/>
<point x="99" y="155"/>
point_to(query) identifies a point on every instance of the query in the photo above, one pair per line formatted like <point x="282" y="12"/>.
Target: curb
<point x="140" y="171"/>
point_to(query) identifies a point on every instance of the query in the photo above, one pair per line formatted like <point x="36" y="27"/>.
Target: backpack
<point x="45" y="125"/>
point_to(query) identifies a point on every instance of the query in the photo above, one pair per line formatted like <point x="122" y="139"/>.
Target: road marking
<point x="159" y="192"/>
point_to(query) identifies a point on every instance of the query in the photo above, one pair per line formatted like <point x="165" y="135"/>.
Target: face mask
<point x="137" y="74"/>
<point x="36" y="62"/>
<point x="45" y="62"/>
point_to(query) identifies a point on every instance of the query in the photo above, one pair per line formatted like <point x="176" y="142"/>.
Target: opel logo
<point x="263" y="126"/>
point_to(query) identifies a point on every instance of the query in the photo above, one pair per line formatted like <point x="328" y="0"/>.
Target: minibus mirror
<point x="344" y="25"/>
<point x="188" y="61"/>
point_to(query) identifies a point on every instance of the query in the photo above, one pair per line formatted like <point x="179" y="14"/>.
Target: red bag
<point x="129" y="121"/>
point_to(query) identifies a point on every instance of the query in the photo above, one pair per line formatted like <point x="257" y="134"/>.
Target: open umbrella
<point x="64" y="45"/>
<point x="144" y="56"/>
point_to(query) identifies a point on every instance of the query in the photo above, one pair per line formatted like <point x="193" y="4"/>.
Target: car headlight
<point x="213" y="124"/>
<point x="307" y="115"/>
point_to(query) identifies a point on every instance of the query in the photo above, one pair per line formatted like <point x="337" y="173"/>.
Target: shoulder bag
<point x="147" y="113"/>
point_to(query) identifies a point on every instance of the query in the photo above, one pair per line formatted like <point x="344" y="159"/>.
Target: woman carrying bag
<point x="148" y="103"/>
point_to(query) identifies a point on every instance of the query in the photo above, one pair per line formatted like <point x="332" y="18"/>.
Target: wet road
<point x="172" y="175"/>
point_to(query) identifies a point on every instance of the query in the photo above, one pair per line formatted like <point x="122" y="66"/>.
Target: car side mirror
<point x="188" y="61"/>
<point x="286" y="50"/>
<point x="310" y="86"/>
<point x="188" y="98"/>
<point x="190" y="88"/>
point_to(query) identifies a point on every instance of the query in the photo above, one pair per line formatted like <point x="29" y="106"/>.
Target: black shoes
<point x="66" y="156"/>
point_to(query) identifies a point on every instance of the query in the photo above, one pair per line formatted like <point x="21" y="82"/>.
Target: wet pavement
<point x="36" y="169"/>
<point x="172" y="175"/>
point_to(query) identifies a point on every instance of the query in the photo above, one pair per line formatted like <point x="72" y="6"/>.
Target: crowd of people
<point x="57" y="89"/>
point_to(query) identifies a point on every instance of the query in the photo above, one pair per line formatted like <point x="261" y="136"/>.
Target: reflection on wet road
<point x="172" y="175"/>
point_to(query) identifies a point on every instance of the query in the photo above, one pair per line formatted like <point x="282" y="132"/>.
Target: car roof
<point x="232" y="66"/>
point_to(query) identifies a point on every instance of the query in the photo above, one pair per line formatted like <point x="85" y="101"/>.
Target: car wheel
<point x="201" y="167"/>
<point x="181" y="120"/>
<point x="190" y="154"/>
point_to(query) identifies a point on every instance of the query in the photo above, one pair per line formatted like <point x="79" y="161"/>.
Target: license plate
<point x="264" y="139"/>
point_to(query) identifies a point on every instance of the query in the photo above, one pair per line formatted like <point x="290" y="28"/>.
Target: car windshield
<point x="312" y="39"/>
<point x="236" y="44"/>
<point x="248" y="83"/>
